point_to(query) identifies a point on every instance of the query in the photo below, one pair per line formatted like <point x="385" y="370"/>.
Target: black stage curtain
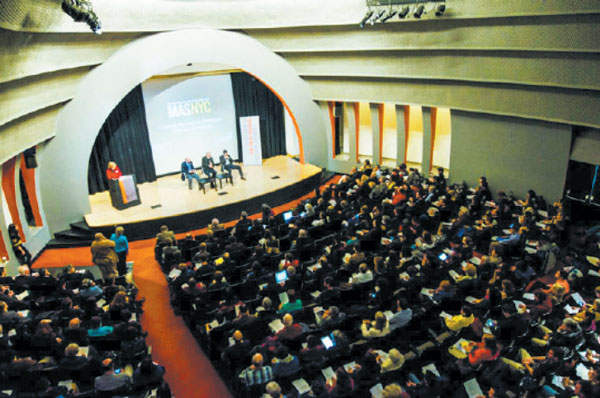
<point x="252" y="98"/>
<point x="123" y="139"/>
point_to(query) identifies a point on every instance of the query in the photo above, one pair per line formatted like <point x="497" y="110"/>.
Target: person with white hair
<point x="273" y="390"/>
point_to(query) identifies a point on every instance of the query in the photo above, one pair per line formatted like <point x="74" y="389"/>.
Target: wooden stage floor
<point x="175" y="198"/>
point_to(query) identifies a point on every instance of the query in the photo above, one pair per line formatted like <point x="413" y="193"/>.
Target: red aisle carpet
<point x="189" y="373"/>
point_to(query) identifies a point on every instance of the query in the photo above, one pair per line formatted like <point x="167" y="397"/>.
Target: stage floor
<point x="175" y="198"/>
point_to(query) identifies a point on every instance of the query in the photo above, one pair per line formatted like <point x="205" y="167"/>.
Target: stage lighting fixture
<point x="377" y="17"/>
<point x="419" y="11"/>
<point x="439" y="10"/>
<point x="82" y="11"/>
<point x="368" y="15"/>
<point x="389" y="15"/>
<point x="403" y="12"/>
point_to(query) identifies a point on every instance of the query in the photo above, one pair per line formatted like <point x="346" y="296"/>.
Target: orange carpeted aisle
<point x="189" y="373"/>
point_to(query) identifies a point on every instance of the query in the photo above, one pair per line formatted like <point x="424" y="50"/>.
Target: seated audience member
<point x="460" y="321"/>
<point x="97" y="330"/>
<point x="341" y="385"/>
<point x="163" y="236"/>
<point x="215" y="225"/>
<point x="332" y="318"/>
<point x="265" y="311"/>
<point x="390" y="362"/>
<point x="290" y="330"/>
<point x="273" y="390"/>
<point x="112" y="381"/>
<point x="257" y="373"/>
<point x="363" y="275"/>
<point x="485" y="351"/>
<point x="284" y="364"/>
<point x="148" y="374"/>
<point x="6" y="316"/>
<point x="74" y="333"/>
<point x="377" y="328"/>
<point x="294" y="304"/>
<point x="89" y="289"/>
<point x="394" y="391"/>
<point x="330" y="294"/>
<point x="445" y="291"/>
<point x="237" y="354"/>
<point x="313" y="353"/>
<point x="72" y="361"/>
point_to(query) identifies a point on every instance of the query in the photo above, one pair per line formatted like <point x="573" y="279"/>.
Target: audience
<point x="65" y="323"/>
<point x="405" y="283"/>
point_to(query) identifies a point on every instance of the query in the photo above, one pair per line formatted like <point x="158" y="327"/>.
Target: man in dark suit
<point x="227" y="163"/>
<point x="189" y="172"/>
<point x="208" y="166"/>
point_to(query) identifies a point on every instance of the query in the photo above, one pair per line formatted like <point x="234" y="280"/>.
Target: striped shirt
<point x="260" y="375"/>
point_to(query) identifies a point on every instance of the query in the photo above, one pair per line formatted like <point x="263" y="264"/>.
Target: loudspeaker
<point x="30" y="160"/>
<point x="338" y="109"/>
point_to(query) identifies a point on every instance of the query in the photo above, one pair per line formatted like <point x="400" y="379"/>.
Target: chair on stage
<point x="204" y="179"/>
<point x="224" y="175"/>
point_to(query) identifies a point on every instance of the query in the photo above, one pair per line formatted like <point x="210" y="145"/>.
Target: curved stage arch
<point x="64" y="161"/>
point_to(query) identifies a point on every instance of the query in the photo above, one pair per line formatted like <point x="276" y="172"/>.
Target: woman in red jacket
<point x="486" y="350"/>
<point x="113" y="172"/>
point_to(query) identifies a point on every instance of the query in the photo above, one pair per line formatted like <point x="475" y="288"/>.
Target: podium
<point x="124" y="192"/>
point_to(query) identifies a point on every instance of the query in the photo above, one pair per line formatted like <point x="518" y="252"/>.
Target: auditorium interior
<point x="409" y="205"/>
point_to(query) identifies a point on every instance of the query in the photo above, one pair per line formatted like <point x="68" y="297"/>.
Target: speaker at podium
<point x="124" y="192"/>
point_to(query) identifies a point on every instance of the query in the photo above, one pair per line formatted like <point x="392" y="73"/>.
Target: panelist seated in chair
<point x="189" y="172"/>
<point x="227" y="163"/>
<point x="208" y="166"/>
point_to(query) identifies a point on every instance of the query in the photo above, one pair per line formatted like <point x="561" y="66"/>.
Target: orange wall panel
<point x="8" y="187"/>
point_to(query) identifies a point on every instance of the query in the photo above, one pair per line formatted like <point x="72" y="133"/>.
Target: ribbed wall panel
<point x="28" y="54"/>
<point x="576" y="71"/>
<point x="31" y="94"/>
<point x="556" y="105"/>
<point x="30" y="130"/>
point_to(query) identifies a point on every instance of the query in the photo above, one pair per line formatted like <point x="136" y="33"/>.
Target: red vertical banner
<point x="433" y="130"/>
<point x="330" y="106"/>
<point x="8" y="188"/>
<point x="29" y="178"/>
<point x="406" y="129"/>
<point x="380" y="114"/>
<point x="357" y="128"/>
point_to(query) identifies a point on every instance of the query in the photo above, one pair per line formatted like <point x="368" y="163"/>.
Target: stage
<point x="168" y="200"/>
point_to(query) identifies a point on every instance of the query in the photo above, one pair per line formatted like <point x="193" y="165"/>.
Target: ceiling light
<point x="403" y="12"/>
<point x="389" y="15"/>
<point x="439" y="10"/>
<point x="368" y="15"/>
<point x="419" y="11"/>
<point x="82" y="11"/>
<point x="377" y="17"/>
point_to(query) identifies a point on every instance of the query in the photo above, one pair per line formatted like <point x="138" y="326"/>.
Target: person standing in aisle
<point x="121" y="248"/>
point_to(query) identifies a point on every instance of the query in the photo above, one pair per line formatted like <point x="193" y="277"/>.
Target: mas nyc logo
<point x="191" y="107"/>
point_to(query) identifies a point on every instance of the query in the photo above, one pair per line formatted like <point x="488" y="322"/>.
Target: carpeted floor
<point x="189" y="372"/>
